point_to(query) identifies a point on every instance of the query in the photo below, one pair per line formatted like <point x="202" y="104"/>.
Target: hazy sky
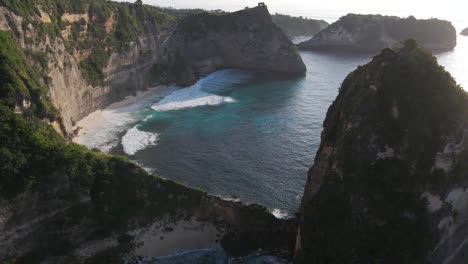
<point x="455" y="9"/>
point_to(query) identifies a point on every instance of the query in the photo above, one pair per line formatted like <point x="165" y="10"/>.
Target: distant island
<point x="464" y="32"/>
<point x="371" y="33"/>
<point x="298" y="26"/>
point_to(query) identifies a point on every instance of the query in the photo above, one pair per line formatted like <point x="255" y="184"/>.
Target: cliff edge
<point x="389" y="180"/>
<point x="247" y="39"/>
<point x="371" y="33"/>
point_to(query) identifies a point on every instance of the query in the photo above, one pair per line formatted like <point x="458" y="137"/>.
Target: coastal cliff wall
<point x="84" y="70"/>
<point x="371" y="33"/>
<point x="100" y="52"/>
<point x="389" y="179"/>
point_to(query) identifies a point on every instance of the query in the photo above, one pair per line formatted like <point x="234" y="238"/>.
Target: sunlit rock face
<point x="389" y="180"/>
<point x="371" y="33"/>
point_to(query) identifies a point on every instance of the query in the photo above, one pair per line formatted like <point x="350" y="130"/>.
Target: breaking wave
<point x="136" y="140"/>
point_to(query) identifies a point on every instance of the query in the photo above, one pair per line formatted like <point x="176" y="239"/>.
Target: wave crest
<point x="136" y="140"/>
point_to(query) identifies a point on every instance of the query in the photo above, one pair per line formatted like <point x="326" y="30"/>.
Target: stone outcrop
<point x="371" y="33"/>
<point x="464" y="32"/>
<point x="389" y="179"/>
<point x="299" y="26"/>
<point x="247" y="39"/>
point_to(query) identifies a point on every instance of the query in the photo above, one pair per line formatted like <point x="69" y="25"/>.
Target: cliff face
<point x="371" y="33"/>
<point x="299" y="26"/>
<point x="246" y="39"/>
<point x="84" y="69"/>
<point x="100" y="52"/>
<point x="389" y="181"/>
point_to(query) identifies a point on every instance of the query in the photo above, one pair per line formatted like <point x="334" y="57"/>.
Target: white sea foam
<point x="280" y="214"/>
<point x="102" y="128"/>
<point x="136" y="140"/>
<point x="201" y="94"/>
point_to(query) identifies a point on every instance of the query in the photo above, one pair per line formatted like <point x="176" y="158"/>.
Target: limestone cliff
<point x="389" y="180"/>
<point x="298" y="26"/>
<point x="246" y="39"/>
<point x="76" y="49"/>
<point x="371" y="33"/>
<point x="98" y="52"/>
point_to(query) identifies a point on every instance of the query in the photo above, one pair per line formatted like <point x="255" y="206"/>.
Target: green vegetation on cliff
<point x="389" y="122"/>
<point x="36" y="159"/>
<point x="105" y="27"/>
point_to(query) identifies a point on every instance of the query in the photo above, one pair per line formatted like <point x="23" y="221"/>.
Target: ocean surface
<point x="240" y="135"/>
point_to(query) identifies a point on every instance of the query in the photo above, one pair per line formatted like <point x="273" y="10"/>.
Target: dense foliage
<point x="298" y="26"/>
<point x="369" y="209"/>
<point x="34" y="158"/>
<point x="129" y="22"/>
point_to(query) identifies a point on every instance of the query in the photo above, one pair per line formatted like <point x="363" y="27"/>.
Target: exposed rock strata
<point x="371" y="33"/>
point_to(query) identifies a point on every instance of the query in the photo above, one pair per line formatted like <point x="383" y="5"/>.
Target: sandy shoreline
<point x="116" y="114"/>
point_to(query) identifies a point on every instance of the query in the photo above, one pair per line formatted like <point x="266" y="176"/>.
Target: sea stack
<point x="391" y="168"/>
<point x="247" y="39"/>
<point x="371" y="33"/>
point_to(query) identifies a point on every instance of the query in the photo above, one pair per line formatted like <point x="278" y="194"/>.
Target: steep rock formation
<point x="121" y="71"/>
<point x="371" y="33"/>
<point x="101" y="52"/>
<point x="246" y="39"/>
<point x="389" y="180"/>
<point x="464" y="32"/>
<point x="299" y="26"/>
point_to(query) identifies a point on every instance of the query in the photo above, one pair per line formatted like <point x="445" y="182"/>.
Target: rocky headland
<point x="299" y="26"/>
<point x="247" y="39"/>
<point x="389" y="179"/>
<point x="371" y="33"/>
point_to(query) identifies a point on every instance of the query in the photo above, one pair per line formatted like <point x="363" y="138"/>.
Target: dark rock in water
<point x="388" y="181"/>
<point x="371" y="33"/>
<point x="299" y="26"/>
<point x="247" y="39"/>
<point x="464" y="32"/>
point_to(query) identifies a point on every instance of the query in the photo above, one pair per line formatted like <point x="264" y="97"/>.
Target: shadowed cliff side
<point x="388" y="182"/>
<point x="247" y="39"/>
